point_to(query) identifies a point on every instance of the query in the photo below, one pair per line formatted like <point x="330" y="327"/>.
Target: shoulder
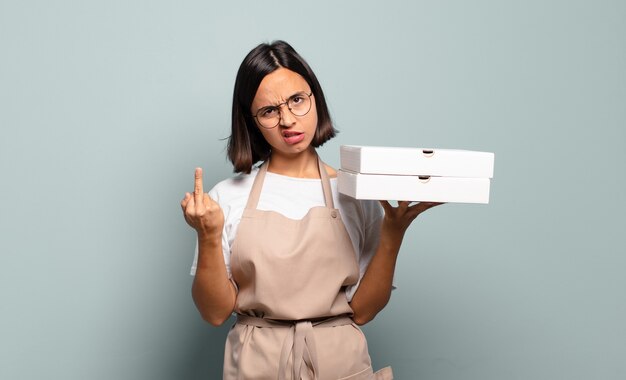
<point x="332" y="173"/>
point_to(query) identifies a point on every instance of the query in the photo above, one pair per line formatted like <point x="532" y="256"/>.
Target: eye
<point x="267" y="112"/>
<point x="296" y="99"/>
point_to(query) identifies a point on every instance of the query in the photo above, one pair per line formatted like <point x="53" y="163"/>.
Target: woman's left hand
<point x="398" y="219"/>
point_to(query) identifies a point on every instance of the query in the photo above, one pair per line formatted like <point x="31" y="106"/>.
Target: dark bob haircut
<point x="246" y="145"/>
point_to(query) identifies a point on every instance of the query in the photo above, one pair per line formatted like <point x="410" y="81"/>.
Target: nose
<point x="287" y="119"/>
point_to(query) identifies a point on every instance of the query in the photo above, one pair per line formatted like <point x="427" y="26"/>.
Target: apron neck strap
<point x="328" y="194"/>
<point x="255" y="193"/>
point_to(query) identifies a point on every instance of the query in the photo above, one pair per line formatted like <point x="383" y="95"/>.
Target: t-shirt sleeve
<point x="372" y="217"/>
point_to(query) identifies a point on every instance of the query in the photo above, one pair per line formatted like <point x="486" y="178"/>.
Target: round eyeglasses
<point x="298" y="104"/>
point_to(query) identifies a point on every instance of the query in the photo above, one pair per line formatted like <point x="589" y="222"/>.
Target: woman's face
<point x="293" y="134"/>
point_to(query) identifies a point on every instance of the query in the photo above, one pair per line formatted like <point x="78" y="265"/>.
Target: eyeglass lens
<point x="298" y="104"/>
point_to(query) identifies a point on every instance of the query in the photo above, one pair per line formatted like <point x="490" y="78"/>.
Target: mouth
<point x="293" y="137"/>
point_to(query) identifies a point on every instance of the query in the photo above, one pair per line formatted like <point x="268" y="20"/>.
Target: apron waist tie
<point x="299" y="342"/>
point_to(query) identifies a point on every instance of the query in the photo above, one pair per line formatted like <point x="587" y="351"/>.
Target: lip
<point x="293" y="137"/>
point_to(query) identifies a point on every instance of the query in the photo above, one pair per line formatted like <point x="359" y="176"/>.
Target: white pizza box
<point x="416" y="161"/>
<point x="413" y="188"/>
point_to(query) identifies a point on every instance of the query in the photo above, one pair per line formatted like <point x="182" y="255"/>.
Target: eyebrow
<point x="289" y="97"/>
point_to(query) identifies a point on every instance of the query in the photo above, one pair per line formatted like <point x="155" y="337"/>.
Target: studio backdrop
<point x="106" y="108"/>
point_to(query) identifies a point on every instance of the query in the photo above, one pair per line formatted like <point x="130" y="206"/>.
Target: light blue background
<point x="106" y="107"/>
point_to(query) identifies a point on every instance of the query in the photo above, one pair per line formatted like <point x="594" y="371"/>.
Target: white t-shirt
<point x="293" y="197"/>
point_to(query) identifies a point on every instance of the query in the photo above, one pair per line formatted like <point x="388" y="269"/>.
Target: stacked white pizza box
<point x="415" y="174"/>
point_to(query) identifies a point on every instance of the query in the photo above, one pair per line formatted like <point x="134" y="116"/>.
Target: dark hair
<point x="246" y="144"/>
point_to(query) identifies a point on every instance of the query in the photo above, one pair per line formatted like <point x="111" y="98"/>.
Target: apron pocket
<point x="384" y="374"/>
<point x="366" y="374"/>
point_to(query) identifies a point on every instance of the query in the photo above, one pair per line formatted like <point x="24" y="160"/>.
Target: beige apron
<point x="293" y="315"/>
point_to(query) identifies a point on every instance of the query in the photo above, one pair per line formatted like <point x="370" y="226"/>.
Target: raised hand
<point x="398" y="219"/>
<point x="201" y="212"/>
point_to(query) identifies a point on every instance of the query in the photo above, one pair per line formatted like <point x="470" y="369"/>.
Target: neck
<point x="303" y="165"/>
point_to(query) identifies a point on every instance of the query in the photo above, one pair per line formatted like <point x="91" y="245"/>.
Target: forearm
<point x="374" y="290"/>
<point x="213" y="293"/>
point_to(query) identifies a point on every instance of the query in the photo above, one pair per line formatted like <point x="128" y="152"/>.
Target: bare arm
<point x="374" y="290"/>
<point x="212" y="291"/>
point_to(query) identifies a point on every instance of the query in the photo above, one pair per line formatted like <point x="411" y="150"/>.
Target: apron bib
<point x="293" y="315"/>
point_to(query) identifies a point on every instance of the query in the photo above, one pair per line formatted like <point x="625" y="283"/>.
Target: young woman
<point x="301" y="265"/>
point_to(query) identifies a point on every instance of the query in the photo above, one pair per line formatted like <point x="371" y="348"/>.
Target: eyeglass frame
<point x="279" y="107"/>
